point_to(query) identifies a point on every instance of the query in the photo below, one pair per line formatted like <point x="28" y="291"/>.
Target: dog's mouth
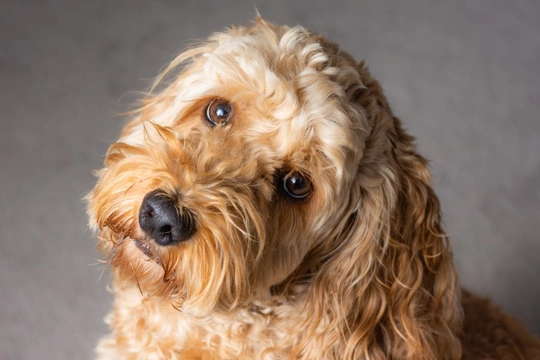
<point x="145" y="247"/>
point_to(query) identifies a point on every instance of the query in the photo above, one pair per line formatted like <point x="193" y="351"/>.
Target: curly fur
<point x="362" y="269"/>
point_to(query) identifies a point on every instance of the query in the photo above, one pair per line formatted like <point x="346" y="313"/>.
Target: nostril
<point x="165" y="229"/>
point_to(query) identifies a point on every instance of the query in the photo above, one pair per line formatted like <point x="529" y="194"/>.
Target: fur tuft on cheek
<point x="216" y="272"/>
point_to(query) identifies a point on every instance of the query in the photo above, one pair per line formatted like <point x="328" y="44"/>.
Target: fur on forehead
<point x="294" y="87"/>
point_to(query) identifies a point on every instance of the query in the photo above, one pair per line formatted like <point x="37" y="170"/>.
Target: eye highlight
<point x="218" y="112"/>
<point x="296" y="185"/>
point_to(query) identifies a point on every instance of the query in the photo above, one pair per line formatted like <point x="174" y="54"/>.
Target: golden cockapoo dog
<point x="265" y="203"/>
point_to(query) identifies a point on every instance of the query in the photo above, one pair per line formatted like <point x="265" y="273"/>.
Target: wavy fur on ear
<point x="388" y="286"/>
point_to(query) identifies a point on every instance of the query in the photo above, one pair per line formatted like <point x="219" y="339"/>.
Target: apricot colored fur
<point x="360" y="269"/>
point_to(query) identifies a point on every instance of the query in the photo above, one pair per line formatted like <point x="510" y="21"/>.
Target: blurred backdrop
<point x="464" y="76"/>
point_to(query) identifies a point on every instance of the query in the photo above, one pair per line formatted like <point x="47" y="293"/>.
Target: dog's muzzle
<point x="162" y="220"/>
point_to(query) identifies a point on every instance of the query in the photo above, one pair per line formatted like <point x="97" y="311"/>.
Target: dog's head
<point x="266" y="162"/>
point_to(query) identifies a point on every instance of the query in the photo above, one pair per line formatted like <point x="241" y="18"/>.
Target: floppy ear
<point x="424" y="298"/>
<point x="389" y="288"/>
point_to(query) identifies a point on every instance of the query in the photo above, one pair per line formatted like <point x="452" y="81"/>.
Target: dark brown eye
<point x="218" y="112"/>
<point x="296" y="185"/>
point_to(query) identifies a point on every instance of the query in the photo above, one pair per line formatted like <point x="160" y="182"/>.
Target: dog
<point x="264" y="202"/>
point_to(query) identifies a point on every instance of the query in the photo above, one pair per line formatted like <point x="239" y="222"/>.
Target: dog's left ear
<point x="423" y="296"/>
<point x="390" y="284"/>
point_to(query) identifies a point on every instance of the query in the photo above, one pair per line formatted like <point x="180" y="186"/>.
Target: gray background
<point x="462" y="75"/>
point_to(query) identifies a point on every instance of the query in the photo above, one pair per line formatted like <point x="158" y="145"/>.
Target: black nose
<point x="160" y="218"/>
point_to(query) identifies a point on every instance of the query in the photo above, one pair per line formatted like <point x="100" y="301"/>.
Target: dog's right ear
<point x="389" y="286"/>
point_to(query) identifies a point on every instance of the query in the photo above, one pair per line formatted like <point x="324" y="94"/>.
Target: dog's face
<point x="230" y="175"/>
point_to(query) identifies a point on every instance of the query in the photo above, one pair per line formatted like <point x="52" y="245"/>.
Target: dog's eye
<point x="296" y="185"/>
<point x="218" y="112"/>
